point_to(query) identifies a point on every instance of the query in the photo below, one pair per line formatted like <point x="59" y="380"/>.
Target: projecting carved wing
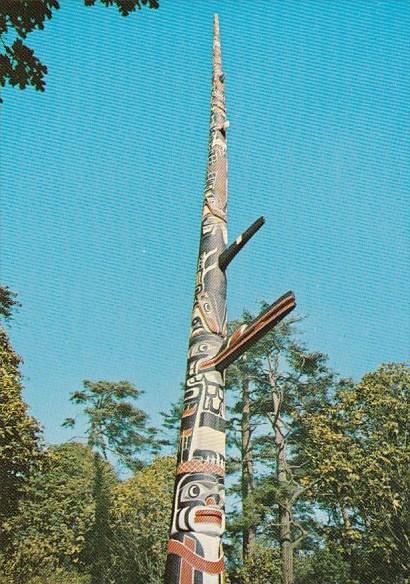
<point x="247" y="334"/>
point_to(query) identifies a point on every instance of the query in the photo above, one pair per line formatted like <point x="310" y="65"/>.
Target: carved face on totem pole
<point x="200" y="504"/>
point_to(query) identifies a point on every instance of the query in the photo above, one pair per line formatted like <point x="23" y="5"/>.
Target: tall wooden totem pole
<point x="195" y="553"/>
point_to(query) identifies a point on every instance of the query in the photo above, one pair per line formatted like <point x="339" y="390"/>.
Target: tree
<point x="140" y="512"/>
<point x="19" y="65"/>
<point x="325" y="566"/>
<point x="54" y="531"/>
<point x="8" y="302"/>
<point x="295" y="390"/>
<point x="52" y="528"/>
<point x="21" y="451"/>
<point x="278" y="382"/>
<point x="241" y="427"/>
<point x="115" y="425"/>
<point x="261" y="566"/>
<point x="359" y="461"/>
<point x="171" y="422"/>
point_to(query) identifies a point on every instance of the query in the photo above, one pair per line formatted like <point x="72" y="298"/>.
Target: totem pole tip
<point x="216" y="27"/>
<point x="217" y="62"/>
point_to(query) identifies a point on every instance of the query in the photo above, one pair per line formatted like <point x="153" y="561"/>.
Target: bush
<point x="58" y="577"/>
<point x="261" y="566"/>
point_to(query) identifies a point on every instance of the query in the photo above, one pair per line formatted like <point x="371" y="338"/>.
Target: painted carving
<point x="198" y="518"/>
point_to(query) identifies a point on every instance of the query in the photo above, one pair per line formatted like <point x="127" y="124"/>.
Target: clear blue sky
<point x="102" y="179"/>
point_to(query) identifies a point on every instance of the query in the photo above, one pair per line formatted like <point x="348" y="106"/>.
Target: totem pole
<point x="194" y="549"/>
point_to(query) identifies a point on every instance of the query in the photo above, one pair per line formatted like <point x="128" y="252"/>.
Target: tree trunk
<point x="248" y="532"/>
<point x="346" y="520"/>
<point x="285" y="504"/>
<point x="100" y="548"/>
<point x="285" y="519"/>
<point x="347" y="539"/>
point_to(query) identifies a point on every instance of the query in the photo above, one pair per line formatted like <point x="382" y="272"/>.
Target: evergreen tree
<point x="171" y="423"/>
<point x="114" y="424"/>
<point x="276" y="384"/>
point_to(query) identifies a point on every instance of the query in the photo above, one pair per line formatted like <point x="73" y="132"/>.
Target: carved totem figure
<point x="194" y="549"/>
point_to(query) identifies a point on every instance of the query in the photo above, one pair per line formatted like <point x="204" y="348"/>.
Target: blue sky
<point x="102" y="179"/>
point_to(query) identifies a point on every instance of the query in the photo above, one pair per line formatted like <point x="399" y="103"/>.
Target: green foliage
<point x="8" y="302"/>
<point x="58" y="576"/>
<point x="115" y="424"/>
<point x="284" y="381"/>
<point x="76" y="525"/>
<point x="262" y="565"/>
<point x="56" y="515"/>
<point x="172" y="421"/>
<point x="66" y="519"/>
<point x="20" y="438"/>
<point x="19" y="65"/>
<point x="324" y="566"/>
<point x="359" y="461"/>
<point x="141" y="511"/>
<point x="125" y="7"/>
<point x="100" y="556"/>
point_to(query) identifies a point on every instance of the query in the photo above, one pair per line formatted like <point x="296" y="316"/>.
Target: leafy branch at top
<point x="115" y="424"/>
<point x="19" y="65"/>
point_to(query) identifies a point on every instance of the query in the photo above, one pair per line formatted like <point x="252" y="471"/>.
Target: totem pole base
<point x="186" y="563"/>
